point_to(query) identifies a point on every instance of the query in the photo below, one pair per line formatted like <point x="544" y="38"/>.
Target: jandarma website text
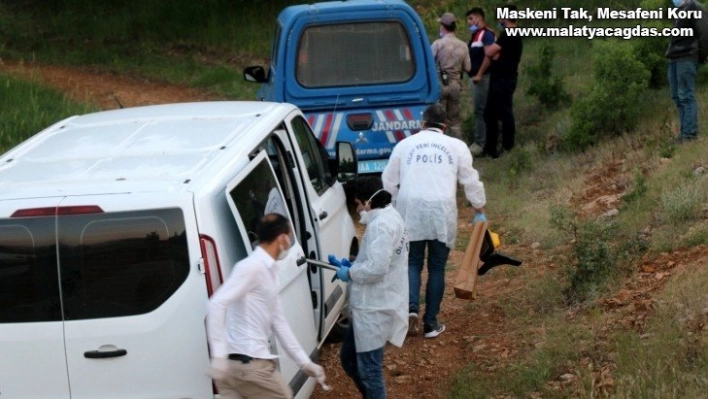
<point x="579" y="16"/>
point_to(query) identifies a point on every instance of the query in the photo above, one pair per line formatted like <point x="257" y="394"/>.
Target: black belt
<point x="241" y="358"/>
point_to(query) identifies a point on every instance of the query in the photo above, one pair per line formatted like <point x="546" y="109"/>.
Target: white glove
<point x="317" y="372"/>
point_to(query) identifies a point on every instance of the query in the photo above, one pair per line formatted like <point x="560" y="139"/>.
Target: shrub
<point x="650" y="50"/>
<point x="614" y="102"/>
<point x="542" y="84"/>
<point x="639" y="189"/>
<point x="592" y="259"/>
<point x="681" y="204"/>
<point x="518" y="161"/>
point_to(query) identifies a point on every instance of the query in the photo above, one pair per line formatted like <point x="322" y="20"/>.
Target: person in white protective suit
<point x="422" y="175"/>
<point x="378" y="289"/>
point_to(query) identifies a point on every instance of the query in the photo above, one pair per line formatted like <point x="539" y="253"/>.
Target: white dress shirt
<point x="246" y="310"/>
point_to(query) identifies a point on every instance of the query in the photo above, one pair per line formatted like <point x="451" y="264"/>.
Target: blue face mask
<point x="502" y="24"/>
<point x="678" y="2"/>
<point x="474" y="28"/>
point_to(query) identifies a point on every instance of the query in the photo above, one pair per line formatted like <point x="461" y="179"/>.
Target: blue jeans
<point x="682" y="82"/>
<point x="365" y="368"/>
<point x="435" y="287"/>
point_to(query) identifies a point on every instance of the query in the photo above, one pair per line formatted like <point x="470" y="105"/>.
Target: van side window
<point x="314" y="155"/>
<point x="121" y="263"/>
<point x="256" y="195"/>
<point x="29" y="291"/>
<point x="277" y="156"/>
<point x="354" y="54"/>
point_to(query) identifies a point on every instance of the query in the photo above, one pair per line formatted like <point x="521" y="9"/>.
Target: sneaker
<point x="412" y="321"/>
<point x="432" y="332"/>
<point x="476" y="149"/>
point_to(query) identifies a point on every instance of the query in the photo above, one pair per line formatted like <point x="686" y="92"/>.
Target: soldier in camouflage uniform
<point x="452" y="59"/>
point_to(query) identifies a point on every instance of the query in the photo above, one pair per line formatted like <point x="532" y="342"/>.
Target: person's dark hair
<point x="510" y="7"/>
<point x="475" y="11"/>
<point x="270" y="226"/>
<point x="434" y="116"/>
<point x="366" y="186"/>
<point x="451" y="27"/>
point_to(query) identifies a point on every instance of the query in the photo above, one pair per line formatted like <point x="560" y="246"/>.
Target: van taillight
<point x="212" y="268"/>
<point x="61" y="210"/>
<point x="358" y="122"/>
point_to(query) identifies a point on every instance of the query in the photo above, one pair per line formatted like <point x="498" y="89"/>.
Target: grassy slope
<point x="528" y="188"/>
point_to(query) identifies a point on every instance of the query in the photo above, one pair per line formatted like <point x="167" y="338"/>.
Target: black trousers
<point x="500" y="108"/>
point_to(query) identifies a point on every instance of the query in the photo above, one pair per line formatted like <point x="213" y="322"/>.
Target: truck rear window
<point x="110" y="264"/>
<point x="354" y="54"/>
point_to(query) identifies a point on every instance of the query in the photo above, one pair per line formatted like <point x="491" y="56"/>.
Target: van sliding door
<point x="333" y="224"/>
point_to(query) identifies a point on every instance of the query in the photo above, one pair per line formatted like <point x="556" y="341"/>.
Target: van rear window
<point x="354" y="54"/>
<point x="110" y="264"/>
<point x="29" y="285"/>
<point x="121" y="264"/>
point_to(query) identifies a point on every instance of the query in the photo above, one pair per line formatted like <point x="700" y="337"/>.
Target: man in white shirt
<point x="244" y="312"/>
<point x="422" y="176"/>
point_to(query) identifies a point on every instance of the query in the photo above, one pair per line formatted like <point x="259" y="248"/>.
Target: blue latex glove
<point x="341" y="264"/>
<point x="334" y="261"/>
<point x="342" y="274"/>
<point x="479" y="217"/>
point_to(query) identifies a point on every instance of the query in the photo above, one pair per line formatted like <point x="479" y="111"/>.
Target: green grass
<point x="554" y="348"/>
<point x="670" y="360"/>
<point x="28" y="107"/>
<point x="200" y="44"/>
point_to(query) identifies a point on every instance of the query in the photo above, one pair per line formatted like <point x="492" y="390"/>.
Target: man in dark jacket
<point x="683" y="62"/>
<point x="504" y="71"/>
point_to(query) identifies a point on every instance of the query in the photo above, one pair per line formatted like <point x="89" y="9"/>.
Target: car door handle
<point x="301" y="261"/>
<point x="105" y="354"/>
<point x="322" y="215"/>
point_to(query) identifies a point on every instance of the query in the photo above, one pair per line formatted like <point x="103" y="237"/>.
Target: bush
<point x="592" y="259"/>
<point x="650" y="51"/>
<point x="681" y="204"/>
<point x="614" y="102"/>
<point x="542" y="84"/>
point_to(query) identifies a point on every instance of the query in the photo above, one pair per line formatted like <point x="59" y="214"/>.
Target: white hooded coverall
<point x="422" y="176"/>
<point x="378" y="293"/>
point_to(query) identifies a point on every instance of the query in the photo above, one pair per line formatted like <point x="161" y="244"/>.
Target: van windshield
<point x="354" y="54"/>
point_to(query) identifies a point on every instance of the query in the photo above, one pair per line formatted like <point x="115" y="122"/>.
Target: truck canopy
<point x="351" y="54"/>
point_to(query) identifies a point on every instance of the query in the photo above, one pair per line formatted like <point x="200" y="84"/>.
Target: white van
<point x="116" y="226"/>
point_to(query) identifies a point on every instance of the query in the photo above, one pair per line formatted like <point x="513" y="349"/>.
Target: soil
<point x="478" y="332"/>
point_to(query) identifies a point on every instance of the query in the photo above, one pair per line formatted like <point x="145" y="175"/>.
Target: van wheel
<point x="339" y="329"/>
